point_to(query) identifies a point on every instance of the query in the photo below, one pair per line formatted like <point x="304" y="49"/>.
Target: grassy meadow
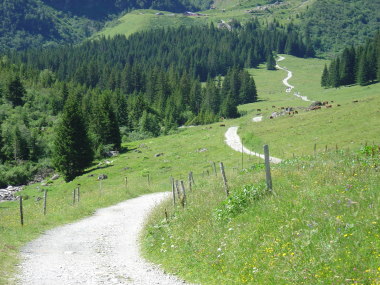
<point x="321" y="225"/>
<point x="141" y="20"/>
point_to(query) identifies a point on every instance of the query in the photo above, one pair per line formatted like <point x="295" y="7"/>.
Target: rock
<point x="38" y="199"/>
<point x="102" y="177"/>
<point x="55" y="177"/>
<point x="8" y="194"/>
<point x="112" y="153"/>
<point x="138" y="151"/>
<point x="202" y="150"/>
<point x="158" y="154"/>
<point x="316" y="103"/>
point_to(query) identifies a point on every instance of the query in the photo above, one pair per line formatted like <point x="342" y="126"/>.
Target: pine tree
<point x="325" y="77"/>
<point x="104" y="123"/>
<point x="271" y="62"/>
<point x="72" y="151"/>
<point x="15" y="92"/>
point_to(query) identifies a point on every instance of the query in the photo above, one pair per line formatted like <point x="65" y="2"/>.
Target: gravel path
<point x="101" y="249"/>
<point x="286" y="83"/>
<point x="257" y="119"/>
<point x="233" y="140"/>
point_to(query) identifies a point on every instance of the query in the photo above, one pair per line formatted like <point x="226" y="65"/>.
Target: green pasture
<point x="267" y="230"/>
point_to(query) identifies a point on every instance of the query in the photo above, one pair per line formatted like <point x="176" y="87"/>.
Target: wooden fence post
<point x="192" y="177"/>
<point x="173" y="189"/>
<point x="148" y="179"/>
<point x="315" y="148"/>
<point x="78" y="193"/>
<point x="242" y="154"/>
<point x="126" y="182"/>
<point x="177" y="188"/>
<point x="224" y="179"/>
<point x="190" y="182"/>
<point x="45" y="198"/>
<point x="183" y="194"/>
<point x="267" y="168"/>
<point x="74" y="195"/>
<point x="214" y="166"/>
<point x="21" y="212"/>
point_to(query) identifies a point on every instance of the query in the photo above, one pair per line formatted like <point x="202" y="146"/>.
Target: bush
<point x="239" y="200"/>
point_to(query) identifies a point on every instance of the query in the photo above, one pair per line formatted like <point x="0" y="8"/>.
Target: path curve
<point x="290" y="74"/>
<point x="286" y="83"/>
<point x="233" y="140"/>
<point x="101" y="249"/>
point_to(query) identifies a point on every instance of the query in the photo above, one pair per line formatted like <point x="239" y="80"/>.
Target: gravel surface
<point x="257" y="119"/>
<point x="286" y="83"/>
<point x="233" y="140"/>
<point x="101" y="249"/>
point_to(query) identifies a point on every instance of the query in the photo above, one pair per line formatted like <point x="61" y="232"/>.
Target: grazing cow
<point x="258" y="110"/>
<point x="271" y="117"/>
<point x="338" y="105"/>
<point x="331" y="101"/>
<point x="356" y="101"/>
<point x="273" y="107"/>
<point x="325" y="103"/>
<point x="315" y="108"/>
<point x="328" y="106"/>
<point x="296" y="112"/>
<point x="222" y="125"/>
<point x="282" y="108"/>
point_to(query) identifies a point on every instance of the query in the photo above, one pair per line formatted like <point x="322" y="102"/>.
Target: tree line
<point x="360" y="65"/>
<point x="64" y="106"/>
<point x="200" y="51"/>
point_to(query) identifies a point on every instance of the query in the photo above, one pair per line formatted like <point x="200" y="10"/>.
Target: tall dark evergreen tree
<point x="271" y="62"/>
<point x="72" y="152"/>
<point x="325" y="80"/>
<point x="15" y="92"/>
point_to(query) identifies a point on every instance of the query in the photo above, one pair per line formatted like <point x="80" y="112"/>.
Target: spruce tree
<point x="72" y="151"/>
<point x="15" y="92"/>
<point x="271" y="62"/>
<point x="325" y="77"/>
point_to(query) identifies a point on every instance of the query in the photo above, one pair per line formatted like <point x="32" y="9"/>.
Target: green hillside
<point x="306" y="189"/>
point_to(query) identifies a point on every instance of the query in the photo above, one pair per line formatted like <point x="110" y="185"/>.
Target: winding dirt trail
<point x="101" y="249"/>
<point x="233" y="140"/>
<point x="285" y="81"/>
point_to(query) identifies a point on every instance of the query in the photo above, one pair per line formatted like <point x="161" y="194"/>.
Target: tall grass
<point x="320" y="227"/>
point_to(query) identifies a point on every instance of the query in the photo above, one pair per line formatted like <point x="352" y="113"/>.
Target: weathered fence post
<point x="74" y="195"/>
<point x="126" y="182"/>
<point x="267" y="168"/>
<point x="326" y="148"/>
<point x="214" y="166"/>
<point x="148" y="179"/>
<point x="173" y="189"/>
<point x="183" y="194"/>
<point x="45" y="198"/>
<point x="192" y="178"/>
<point x="78" y="193"/>
<point x="190" y="182"/>
<point x="177" y="188"/>
<point x="242" y="155"/>
<point x="315" y="148"/>
<point x="21" y="212"/>
<point x="166" y="215"/>
<point x="224" y="179"/>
